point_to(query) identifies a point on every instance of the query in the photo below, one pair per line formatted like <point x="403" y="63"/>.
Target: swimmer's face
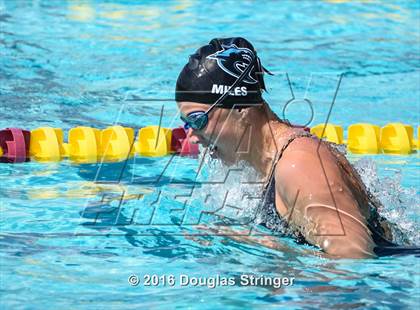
<point x="219" y="131"/>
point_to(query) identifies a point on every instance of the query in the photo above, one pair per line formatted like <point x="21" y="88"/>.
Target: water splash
<point x="242" y="187"/>
<point x="399" y="204"/>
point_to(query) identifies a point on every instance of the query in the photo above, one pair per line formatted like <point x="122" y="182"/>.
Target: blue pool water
<point x="67" y="237"/>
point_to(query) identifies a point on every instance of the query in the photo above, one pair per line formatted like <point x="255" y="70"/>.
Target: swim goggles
<point x="198" y="120"/>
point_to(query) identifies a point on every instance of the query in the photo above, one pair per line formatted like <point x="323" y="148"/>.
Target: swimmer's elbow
<point x="346" y="248"/>
<point x="337" y="232"/>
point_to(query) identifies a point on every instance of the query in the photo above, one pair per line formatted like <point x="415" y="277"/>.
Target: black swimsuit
<point x="378" y="225"/>
<point x="272" y="219"/>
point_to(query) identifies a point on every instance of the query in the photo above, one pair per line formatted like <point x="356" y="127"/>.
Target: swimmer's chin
<point x="213" y="152"/>
<point x="216" y="153"/>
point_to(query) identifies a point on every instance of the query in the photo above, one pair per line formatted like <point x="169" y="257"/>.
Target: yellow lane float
<point x="116" y="143"/>
<point x="363" y="139"/>
<point x="47" y="144"/>
<point x="154" y="141"/>
<point x="393" y="138"/>
<point x="396" y="138"/>
<point x="330" y="132"/>
<point x="84" y="144"/>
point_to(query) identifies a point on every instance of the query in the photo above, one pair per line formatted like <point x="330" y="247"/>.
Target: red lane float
<point x="14" y="143"/>
<point x="178" y="135"/>
<point x="181" y="145"/>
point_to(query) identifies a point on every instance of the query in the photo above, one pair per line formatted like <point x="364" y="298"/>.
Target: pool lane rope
<point x="118" y="143"/>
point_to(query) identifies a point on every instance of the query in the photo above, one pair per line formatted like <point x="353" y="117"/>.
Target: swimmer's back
<point x="327" y="201"/>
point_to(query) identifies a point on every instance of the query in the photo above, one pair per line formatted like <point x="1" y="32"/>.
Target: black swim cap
<point x="213" y="68"/>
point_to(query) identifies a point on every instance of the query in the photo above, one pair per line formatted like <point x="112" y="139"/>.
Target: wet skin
<point x="312" y="191"/>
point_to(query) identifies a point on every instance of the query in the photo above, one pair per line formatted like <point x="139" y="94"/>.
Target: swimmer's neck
<point x="265" y="143"/>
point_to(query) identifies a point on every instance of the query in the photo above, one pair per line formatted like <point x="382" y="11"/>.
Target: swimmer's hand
<point x="319" y="202"/>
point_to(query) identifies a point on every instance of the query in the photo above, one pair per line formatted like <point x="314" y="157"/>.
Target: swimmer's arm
<point x="334" y="223"/>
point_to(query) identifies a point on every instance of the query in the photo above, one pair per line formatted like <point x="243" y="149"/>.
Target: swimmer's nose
<point x="192" y="137"/>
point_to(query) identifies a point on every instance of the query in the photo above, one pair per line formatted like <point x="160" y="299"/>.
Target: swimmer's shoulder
<point x="308" y="146"/>
<point x="303" y="166"/>
<point x="306" y="152"/>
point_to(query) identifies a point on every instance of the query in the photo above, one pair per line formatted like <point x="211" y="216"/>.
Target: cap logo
<point x="234" y="60"/>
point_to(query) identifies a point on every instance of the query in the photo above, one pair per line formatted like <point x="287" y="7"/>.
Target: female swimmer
<point x="311" y="184"/>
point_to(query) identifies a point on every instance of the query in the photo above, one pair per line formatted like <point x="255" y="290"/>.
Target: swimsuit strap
<point x="268" y="202"/>
<point x="280" y="154"/>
